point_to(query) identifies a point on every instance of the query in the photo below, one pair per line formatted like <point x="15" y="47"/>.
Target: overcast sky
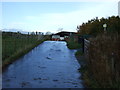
<point x="50" y="16"/>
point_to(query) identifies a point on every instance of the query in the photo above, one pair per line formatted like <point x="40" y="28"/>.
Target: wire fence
<point x="11" y="43"/>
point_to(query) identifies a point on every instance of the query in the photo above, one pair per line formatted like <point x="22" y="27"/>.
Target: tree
<point x="32" y="33"/>
<point x="48" y="33"/>
<point x="95" y="26"/>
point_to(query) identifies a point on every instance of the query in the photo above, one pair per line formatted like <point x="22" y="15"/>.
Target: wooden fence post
<point x="83" y="44"/>
<point x="112" y="60"/>
<point x="81" y="40"/>
<point x="86" y="45"/>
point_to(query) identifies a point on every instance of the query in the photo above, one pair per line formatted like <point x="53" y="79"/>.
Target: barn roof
<point x="65" y="33"/>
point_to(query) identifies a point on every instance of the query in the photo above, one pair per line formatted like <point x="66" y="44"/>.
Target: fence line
<point x="86" y="45"/>
<point x="12" y="43"/>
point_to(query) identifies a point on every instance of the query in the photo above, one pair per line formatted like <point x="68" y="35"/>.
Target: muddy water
<point x="50" y="65"/>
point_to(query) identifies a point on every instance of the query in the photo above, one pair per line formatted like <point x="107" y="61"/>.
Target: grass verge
<point x="73" y="45"/>
<point x="88" y="82"/>
<point x="83" y="68"/>
<point x="19" y="53"/>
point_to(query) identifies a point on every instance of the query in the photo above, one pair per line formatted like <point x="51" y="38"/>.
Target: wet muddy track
<point x="49" y="65"/>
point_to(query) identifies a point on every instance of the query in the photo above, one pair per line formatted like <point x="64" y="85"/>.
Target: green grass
<point x="11" y="44"/>
<point x="79" y="53"/>
<point x="14" y="47"/>
<point x="73" y="45"/>
<point x="19" y="53"/>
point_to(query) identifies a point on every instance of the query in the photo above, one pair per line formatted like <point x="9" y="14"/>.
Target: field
<point x="15" y="45"/>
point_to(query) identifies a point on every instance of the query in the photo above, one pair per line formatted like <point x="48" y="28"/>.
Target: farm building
<point x="60" y="36"/>
<point x="55" y="37"/>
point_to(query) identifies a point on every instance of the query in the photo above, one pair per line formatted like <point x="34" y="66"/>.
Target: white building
<point x="61" y="38"/>
<point x="56" y="37"/>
